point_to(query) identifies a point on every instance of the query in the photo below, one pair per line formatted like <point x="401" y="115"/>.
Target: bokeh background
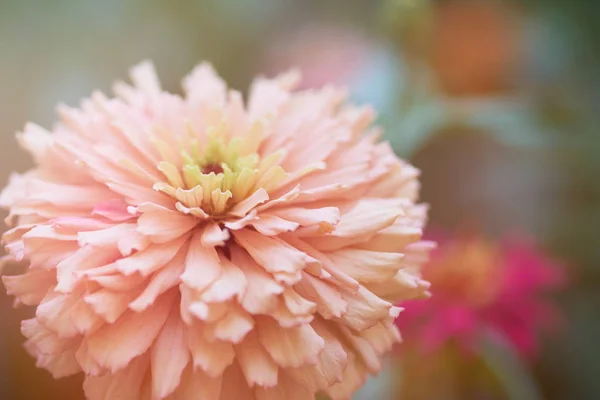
<point x="497" y="102"/>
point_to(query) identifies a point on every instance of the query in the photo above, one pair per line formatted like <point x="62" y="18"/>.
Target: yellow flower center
<point x="210" y="178"/>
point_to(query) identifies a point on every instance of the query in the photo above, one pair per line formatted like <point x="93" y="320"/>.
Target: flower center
<point x="209" y="179"/>
<point x="216" y="168"/>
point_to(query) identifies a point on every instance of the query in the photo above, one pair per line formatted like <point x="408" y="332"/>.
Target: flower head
<point x="480" y="286"/>
<point x="197" y="247"/>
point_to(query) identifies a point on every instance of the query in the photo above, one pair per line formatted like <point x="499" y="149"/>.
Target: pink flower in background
<point x="480" y="286"/>
<point x="322" y="53"/>
<point x="202" y="248"/>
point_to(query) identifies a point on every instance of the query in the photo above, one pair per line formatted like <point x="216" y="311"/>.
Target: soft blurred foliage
<point x="497" y="102"/>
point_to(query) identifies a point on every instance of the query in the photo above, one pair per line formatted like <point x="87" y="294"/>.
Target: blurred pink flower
<point x="324" y="54"/>
<point x="480" y="286"/>
<point x="198" y="247"/>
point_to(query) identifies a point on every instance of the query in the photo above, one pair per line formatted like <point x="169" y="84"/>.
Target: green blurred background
<point x="497" y="102"/>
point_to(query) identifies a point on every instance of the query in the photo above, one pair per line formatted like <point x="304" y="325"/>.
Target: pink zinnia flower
<point x="198" y="248"/>
<point x="481" y="287"/>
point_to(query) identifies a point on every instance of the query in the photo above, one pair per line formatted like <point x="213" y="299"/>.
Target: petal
<point x="31" y="287"/>
<point x="261" y="290"/>
<point x="161" y="281"/>
<point x="231" y="282"/>
<point x="136" y="333"/>
<point x="274" y="254"/>
<point x="366" y="266"/>
<point x="204" y="86"/>
<point x="124" y="384"/>
<point x="330" y="366"/>
<point x="108" y="304"/>
<point x="328" y="217"/>
<point x="202" y="264"/>
<point x="257" y="365"/>
<point x="364" y="309"/>
<point x="271" y="225"/>
<point x="86" y="258"/>
<point x="59" y="365"/>
<point x="114" y="210"/>
<point x="163" y="225"/>
<point x="329" y="299"/>
<point x="213" y="235"/>
<point x="289" y="347"/>
<point x="287" y="389"/>
<point x="150" y="259"/>
<point x="239" y="390"/>
<point x="212" y="357"/>
<point x="196" y="385"/>
<point x="170" y="356"/>
<point x="250" y="202"/>
<point x="233" y="327"/>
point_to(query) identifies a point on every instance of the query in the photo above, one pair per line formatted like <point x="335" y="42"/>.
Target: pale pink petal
<point x="257" y="365"/>
<point x="274" y="254"/>
<point x="162" y="225"/>
<point x="196" y="385"/>
<point x="271" y="225"/>
<point x="160" y="282"/>
<point x="367" y="266"/>
<point x="124" y="384"/>
<point x="214" y="236"/>
<point x="240" y="389"/>
<point x="203" y="86"/>
<point x="364" y="309"/>
<point x="31" y="287"/>
<point x="261" y="290"/>
<point x="231" y="282"/>
<point x="330" y="367"/>
<point x="115" y="210"/>
<point x="290" y="347"/>
<point x="136" y="333"/>
<point x="59" y="365"/>
<point x="202" y="266"/>
<point x="212" y="357"/>
<point x="152" y="258"/>
<point x="286" y="389"/>
<point x="170" y="356"/>
<point x="244" y="206"/>
<point x="108" y="304"/>
<point x="233" y="327"/>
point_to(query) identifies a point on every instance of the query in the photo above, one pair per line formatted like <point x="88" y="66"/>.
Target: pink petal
<point x="257" y="365"/>
<point x="163" y="225"/>
<point x="249" y="203"/>
<point x="124" y="384"/>
<point x="114" y="210"/>
<point x="286" y="389"/>
<point x="212" y="357"/>
<point x="290" y="347"/>
<point x="330" y="366"/>
<point x="202" y="265"/>
<point x="152" y="258"/>
<point x="367" y="266"/>
<point x="196" y="385"/>
<point x="31" y="287"/>
<point x="108" y="304"/>
<point x="214" y="236"/>
<point x="136" y="333"/>
<point x="170" y="356"/>
<point x="159" y="283"/>
<point x="273" y="253"/>
<point x="261" y="290"/>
